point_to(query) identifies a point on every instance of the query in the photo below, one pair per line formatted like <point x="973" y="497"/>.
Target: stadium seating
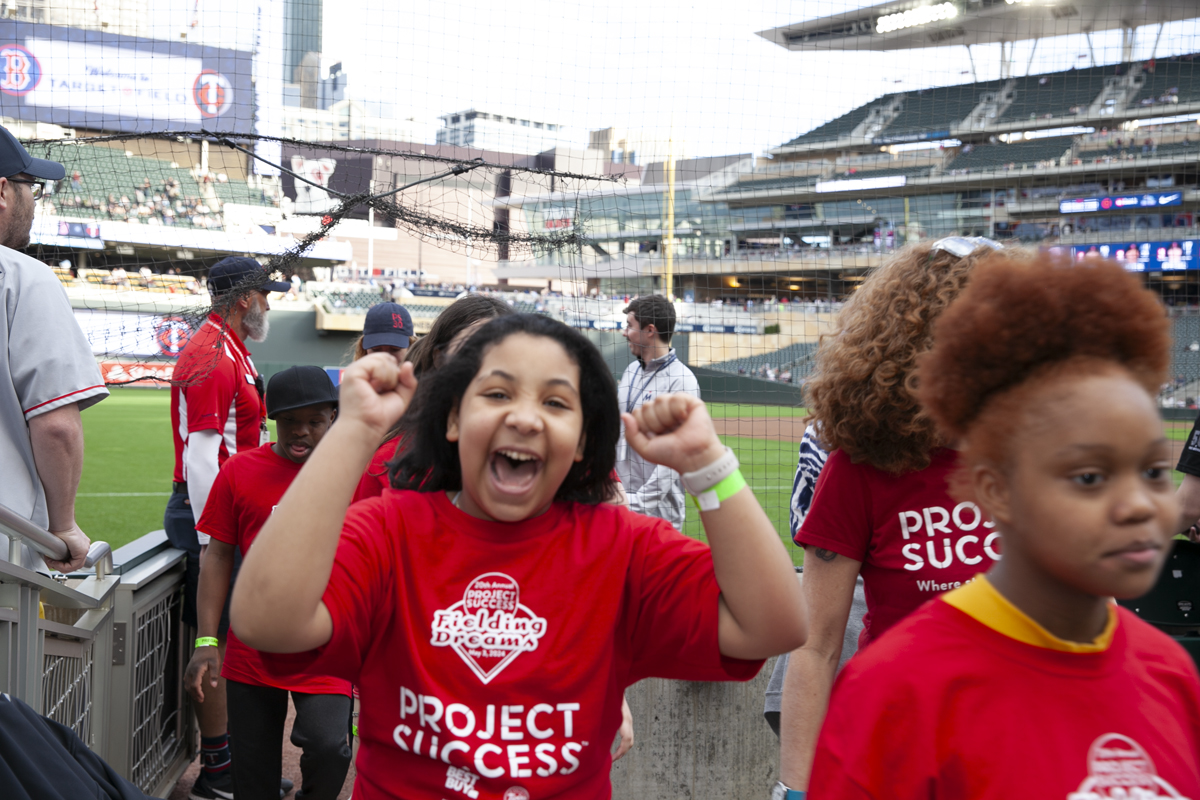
<point x="790" y="183"/>
<point x="992" y="157"/>
<point x="1057" y="94"/>
<point x="911" y="172"/>
<point x="796" y="358"/>
<point x="842" y="126"/>
<point x="1185" y="362"/>
<point x="1177" y="78"/>
<point x="939" y="109"/>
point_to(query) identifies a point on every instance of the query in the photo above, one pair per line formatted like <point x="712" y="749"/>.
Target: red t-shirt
<point x="375" y="479"/>
<point x="493" y="656"/>
<point x="246" y="491"/>
<point x="944" y="706"/>
<point x="914" y="540"/>
<point x="213" y="389"/>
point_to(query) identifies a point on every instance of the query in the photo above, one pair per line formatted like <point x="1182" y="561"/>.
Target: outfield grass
<point x="723" y="410"/>
<point x="129" y="460"/>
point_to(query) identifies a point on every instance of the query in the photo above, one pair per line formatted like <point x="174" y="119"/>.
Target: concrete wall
<point x="701" y="741"/>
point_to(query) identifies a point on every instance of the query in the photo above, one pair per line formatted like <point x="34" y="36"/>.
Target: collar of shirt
<point x="659" y="362"/>
<point x="980" y="601"/>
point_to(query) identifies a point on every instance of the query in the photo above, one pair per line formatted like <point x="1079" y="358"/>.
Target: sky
<point x="697" y="70"/>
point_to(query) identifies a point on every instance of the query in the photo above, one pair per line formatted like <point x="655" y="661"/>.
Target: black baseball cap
<point x="14" y="159"/>
<point x="240" y="272"/>
<point x="387" y="324"/>
<point x="297" y="387"/>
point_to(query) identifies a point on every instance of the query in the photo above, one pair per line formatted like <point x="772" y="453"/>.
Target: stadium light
<point x="915" y="16"/>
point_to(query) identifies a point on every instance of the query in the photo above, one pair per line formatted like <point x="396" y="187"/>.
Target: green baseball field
<point x="129" y="460"/>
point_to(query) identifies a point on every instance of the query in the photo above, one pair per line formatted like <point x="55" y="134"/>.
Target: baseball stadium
<point x="774" y="161"/>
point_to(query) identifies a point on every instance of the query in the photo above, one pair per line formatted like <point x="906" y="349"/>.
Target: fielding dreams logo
<point x="489" y="627"/>
<point x="1118" y="767"/>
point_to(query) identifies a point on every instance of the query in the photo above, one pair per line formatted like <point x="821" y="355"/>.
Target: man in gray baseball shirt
<point x="47" y="371"/>
<point x="655" y="370"/>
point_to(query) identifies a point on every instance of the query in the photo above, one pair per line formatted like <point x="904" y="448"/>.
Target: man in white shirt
<point x="656" y="369"/>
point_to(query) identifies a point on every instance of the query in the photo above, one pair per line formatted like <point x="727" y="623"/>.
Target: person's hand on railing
<point x="77" y="543"/>
<point x="206" y="662"/>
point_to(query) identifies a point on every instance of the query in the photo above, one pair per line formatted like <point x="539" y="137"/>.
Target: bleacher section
<point x="910" y="172"/>
<point x="991" y="157"/>
<point x="1177" y="78"/>
<point x="939" y="109"/>
<point x="114" y="185"/>
<point x="1057" y="94"/>
<point x="795" y="358"/>
<point x="1185" y="362"/>
<point x="790" y="184"/>
<point x="842" y="126"/>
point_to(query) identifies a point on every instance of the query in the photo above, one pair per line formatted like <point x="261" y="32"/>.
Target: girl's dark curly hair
<point x="1021" y="322"/>
<point x="427" y="462"/>
<point x="861" y="395"/>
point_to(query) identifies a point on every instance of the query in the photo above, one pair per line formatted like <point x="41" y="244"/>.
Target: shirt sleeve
<point x="209" y="400"/>
<point x="219" y="518"/>
<point x="1189" y="457"/>
<point x="50" y="360"/>
<point x="358" y="594"/>
<point x="673" y="599"/>
<point x="809" y="464"/>
<point x="839" y="518"/>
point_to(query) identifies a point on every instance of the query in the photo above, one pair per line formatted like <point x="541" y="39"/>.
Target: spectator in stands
<point x="886" y="464"/>
<point x="48" y="374"/>
<point x="388" y="328"/>
<point x="118" y="277"/>
<point x="656" y="369"/>
<point x="216" y="392"/>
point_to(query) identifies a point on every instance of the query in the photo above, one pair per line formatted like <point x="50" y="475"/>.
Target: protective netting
<point x="754" y="162"/>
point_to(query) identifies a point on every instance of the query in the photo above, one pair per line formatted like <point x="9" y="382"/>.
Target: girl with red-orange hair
<point x="1029" y="681"/>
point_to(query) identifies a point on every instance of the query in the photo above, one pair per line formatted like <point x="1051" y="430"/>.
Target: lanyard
<point x="632" y="398"/>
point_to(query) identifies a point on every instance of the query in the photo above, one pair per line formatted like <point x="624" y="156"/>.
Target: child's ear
<point x="452" y="425"/>
<point x="992" y="491"/>
<point x="579" y="449"/>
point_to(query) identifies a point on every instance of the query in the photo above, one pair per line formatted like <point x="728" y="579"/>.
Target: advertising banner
<point x="105" y="81"/>
<point x="1117" y="202"/>
<point x="114" y="333"/>
<point x="1143" y="256"/>
<point x="344" y="173"/>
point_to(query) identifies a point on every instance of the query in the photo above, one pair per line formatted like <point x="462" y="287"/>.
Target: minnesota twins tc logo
<point x="212" y="92"/>
<point x="21" y="70"/>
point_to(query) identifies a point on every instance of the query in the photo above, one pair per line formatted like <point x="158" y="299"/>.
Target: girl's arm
<point x="828" y="589"/>
<point x="277" y="604"/>
<point x="761" y="612"/>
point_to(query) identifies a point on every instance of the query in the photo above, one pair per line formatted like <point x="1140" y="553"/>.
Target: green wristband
<point x="207" y="641"/>
<point x="711" y="500"/>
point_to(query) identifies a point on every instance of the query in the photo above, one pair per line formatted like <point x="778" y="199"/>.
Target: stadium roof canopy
<point x="911" y="24"/>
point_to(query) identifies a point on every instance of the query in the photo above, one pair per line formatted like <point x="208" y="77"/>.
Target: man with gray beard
<point x="217" y="410"/>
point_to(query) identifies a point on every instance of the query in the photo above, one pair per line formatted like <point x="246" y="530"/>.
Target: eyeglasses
<point x="963" y="246"/>
<point x="36" y="188"/>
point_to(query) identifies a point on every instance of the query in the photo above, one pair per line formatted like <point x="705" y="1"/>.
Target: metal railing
<point x="102" y="652"/>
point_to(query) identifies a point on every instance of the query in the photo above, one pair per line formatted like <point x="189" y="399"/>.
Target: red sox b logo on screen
<point x="212" y="93"/>
<point x="21" y="71"/>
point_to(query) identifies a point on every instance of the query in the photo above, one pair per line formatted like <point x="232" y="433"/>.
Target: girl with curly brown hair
<point x="881" y="507"/>
<point x="1029" y="681"/>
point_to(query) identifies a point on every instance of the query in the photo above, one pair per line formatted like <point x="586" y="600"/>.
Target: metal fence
<point x="103" y="653"/>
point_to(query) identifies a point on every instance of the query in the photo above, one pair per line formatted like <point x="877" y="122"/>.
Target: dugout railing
<point x="102" y="651"/>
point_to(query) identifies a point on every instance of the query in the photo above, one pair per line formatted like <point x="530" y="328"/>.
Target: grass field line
<point x="123" y="494"/>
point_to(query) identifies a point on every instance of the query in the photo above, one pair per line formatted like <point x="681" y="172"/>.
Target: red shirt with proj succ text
<point x="246" y="491"/>
<point x="944" y="706"/>
<point x="914" y="540"/>
<point x="491" y="658"/>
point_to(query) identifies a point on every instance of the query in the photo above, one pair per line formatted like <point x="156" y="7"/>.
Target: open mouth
<point x="299" y="449"/>
<point x="514" y="471"/>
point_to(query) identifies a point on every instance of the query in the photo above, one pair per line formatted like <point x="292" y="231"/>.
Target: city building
<point x="637" y="147"/>
<point x="343" y="121"/>
<point x="485" y="130"/>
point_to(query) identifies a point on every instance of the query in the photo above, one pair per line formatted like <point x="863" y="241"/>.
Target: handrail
<point x="15" y="526"/>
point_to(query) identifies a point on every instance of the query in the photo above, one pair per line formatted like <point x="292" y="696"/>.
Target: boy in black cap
<point x="303" y="403"/>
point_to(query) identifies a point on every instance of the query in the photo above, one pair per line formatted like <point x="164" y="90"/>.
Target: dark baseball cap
<point x="297" y="387"/>
<point x="387" y="324"/>
<point x="245" y="274"/>
<point x="14" y="159"/>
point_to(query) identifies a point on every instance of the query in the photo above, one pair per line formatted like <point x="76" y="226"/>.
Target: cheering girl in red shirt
<point x="1030" y="682"/>
<point x="493" y="619"/>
